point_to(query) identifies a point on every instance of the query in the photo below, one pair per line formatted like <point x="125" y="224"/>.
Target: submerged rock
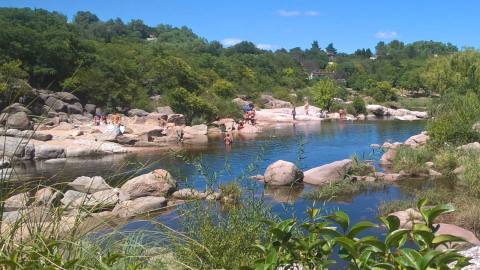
<point x="281" y="173"/>
<point x="327" y="173"/>
<point x="139" y="206"/>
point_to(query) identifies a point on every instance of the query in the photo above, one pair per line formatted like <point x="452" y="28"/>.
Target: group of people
<point x="114" y="121"/>
<point x="294" y="110"/>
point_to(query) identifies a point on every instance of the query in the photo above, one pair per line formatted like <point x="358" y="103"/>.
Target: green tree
<point x="323" y="93"/>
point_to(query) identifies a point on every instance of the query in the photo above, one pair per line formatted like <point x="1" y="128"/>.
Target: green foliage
<point x="470" y="180"/>
<point x="223" y="88"/>
<point x="323" y="93"/>
<point x="382" y="91"/>
<point x="310" y="244"/>
<point x="12" y="81"/>
<point x="190" y="105"/>
<point x="453" y="118"/>
<point x="342" y="189"/>
<point x="412" y="160"/>
<point x="446" y="160"/>
<point x="359" y="105"/>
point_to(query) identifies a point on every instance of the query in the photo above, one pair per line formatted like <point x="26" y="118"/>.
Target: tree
<point x="330" y="49"/>
<point x="323" y="93"/>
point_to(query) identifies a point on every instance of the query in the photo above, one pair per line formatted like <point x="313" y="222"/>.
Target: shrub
<point x="223" y="88"/>
<point x="446" y="161"/>
<point x="190" y="104"/>
<point x="470" y="180"/>
<point x="310" y="244"/>
<point x="359" y="105"/>
<point x="382" y="91"/>
<point x="453" y="118"/>
<point x="412" y="160"/>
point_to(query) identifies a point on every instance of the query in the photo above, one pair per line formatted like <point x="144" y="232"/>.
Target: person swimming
<point x="228" y="140"/>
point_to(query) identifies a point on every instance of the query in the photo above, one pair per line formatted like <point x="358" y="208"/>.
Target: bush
<point x="446" y="161"/>
<point x="453" y="118"/>
<point x="223" y="88"/>
<point x="412" y="160"/>
<point x="382" y="91"/>
<point x="359" y="105"/>
<point x="191" y="105"/>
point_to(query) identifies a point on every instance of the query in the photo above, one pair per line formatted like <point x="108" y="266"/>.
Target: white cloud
<point x="311" y="13"/>
<point x="386" y="34"/>
<point x="230" y="41"/>
<point x="296" y="13"/>
<point x="264" y="46"/>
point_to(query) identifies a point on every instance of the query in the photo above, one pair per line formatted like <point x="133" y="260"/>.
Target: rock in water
<point x="139" y="206"/>
<point x="156" y="183"/>
<point x="327" y="173"/>
<point x="281" y="173"/>
<point x="47" y="151"/>
<point x="89" y="184"/>
<point x="18" y="120"/>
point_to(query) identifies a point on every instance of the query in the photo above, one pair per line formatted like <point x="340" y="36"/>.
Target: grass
<point x="415" y="104"/>
<point x="412" y="160"/>
<point x="342" y="189"/>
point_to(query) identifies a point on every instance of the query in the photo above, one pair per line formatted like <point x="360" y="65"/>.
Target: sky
<point x="274" y="24"/>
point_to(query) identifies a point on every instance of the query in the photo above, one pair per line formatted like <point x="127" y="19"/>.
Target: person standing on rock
<point x="306" y="106"/>
<point x="294" y="113"/>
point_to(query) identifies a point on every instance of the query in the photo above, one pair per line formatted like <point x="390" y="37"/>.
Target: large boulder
<point x="104" y="199"/>
<point x="17" y="120"/>
<point x="177" y="119"/>
<point x="407" y="217"/>
<point x="15" y="108"/>
<point x="55" y="104"/>
<point x="377" y="110"/>
<point x="137" y="112"/>
<point x="197" y="130"/>
<point x="165" y="110"/>
<point x="49" y="151"/>
<point x="75" y="108"/>
<point x="89" y="184"/>
<point x="16" y="202"/>
<point x="387" y="157"/>
<point x="270" y="102"/>
<point x="282" y="173"/>
<point x="139" y="206"/>
<point x="67" y="97"/>
<point x="46" y="196"/>
<point x="72" y="195"/>
<point x="27" y="134"/>
<point x="90" y="108"/>
<point x="327" y="173"/>
<point x="18" y="147"/>
<point x="454" y="230"/>
<point x="417" y="140"/>
<point x="156" y="183"/>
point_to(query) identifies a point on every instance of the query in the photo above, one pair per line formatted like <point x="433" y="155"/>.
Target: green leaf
<point x="446" y="238"/>
<point x="391" y="222"/>
<point x="393" y="239"/>
<point x="348" y="244"/>
<point x="341" y="219"/>
<point x="359" y="227"/>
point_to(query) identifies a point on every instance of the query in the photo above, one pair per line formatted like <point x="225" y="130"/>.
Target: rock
<point x="433" y="173"/>
<point x="417" y="140"/>
<point x="55" y="161"/>
<point x="281" y="173"/>
<point x="212" y="196"/>
<point x="177" y="119"/>
<point x="407" y="217"/>
<point x="104" y="199"/>
<point x="375" y="145"/>
<point x="270" y="102"/>
<point x="156" y="183"/>
<point x="459" y="170"/>
<point x="28" y="134"/>
<point x="15" y="108"/>
<point x="90" y="108"/>
<point x="107" y="136"/>
<point x="188" y="194"/>
<point x="17" y="120"/>
<point x="72" y="195"/>
<point x="475" y="146"/>
<point x="197" y="130"/>
<point x="474" y="255"/>
<point x="137" y="112"/>
<point x="46" y="196"/>
<point x="429" y="164"/>
<point x="16" y="202"/>
<point x="5" y="162"/>
<point x="66" y="96"/>
<point x="327" y="173"/>
<point x="139" y="206"/>
<point x="387" y="157"/>
<point x="377" y="110"/>
<point x="55" y="104"/>
<point x="240" y="102"/>
<point x="459" y="232"/>
<point x="16" y="147"/>
<point x="165" y="110"/>
<point x="126" y="140"/>
<point x="75" y="108"/>
<point x="89" y="184"/>
<point x="48" y="151"/>
<point x="390" y="177"/>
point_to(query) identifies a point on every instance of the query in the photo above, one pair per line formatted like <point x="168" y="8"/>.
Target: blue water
<point x="308" y="145"/>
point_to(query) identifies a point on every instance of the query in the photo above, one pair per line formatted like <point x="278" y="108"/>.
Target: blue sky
<point x="273" y="24"/>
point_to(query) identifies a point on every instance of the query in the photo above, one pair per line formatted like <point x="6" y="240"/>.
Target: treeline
<point x="113" y="63"/>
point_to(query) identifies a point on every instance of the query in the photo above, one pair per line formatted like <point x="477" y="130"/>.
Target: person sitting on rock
<point x="163" y="121"/>
<point x="252" y="117"/>
<point x="241" y="124"/>
<point x="116" y="119"/>
<point x="342" y="113"/>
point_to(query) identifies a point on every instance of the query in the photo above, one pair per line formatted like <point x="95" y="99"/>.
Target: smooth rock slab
<point x="327" y="173"/>
<point x="48" y="151"/>
<point x="17" y="202"/>
<point x="139" y="206"/>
